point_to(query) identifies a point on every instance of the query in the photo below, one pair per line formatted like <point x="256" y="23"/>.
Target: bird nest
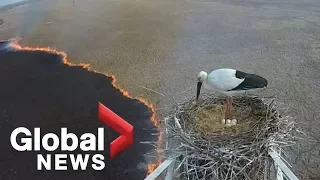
<point x="210" y="149"/>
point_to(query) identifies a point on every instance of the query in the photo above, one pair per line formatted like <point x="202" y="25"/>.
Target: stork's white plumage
<point x="229" y="81"/>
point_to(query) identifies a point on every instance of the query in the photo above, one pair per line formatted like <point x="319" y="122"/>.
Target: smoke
<point x="7" y="45"/>
<point x="31" y="15"/>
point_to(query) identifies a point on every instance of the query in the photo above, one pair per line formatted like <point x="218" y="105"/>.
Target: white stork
<point x="229" y="81"/>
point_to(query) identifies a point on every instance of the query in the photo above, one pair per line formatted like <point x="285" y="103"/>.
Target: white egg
<point x="228" y="122"/>
<point x="223" y="121"/>
<point x="234" y="122"/>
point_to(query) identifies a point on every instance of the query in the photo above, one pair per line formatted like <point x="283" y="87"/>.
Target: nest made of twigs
<point x="204" y="116"/>
<point x="211" y="150"/>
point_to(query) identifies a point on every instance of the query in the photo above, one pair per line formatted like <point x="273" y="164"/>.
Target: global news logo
<point x="87" y="142"/>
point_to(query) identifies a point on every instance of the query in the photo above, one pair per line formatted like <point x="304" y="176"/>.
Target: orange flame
<point x="151" y="166"/>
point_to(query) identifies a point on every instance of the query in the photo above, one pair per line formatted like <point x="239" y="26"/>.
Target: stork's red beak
<point x="198" y="89"/>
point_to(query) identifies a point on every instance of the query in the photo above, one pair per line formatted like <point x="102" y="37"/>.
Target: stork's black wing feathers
<point x="251" y="81"/>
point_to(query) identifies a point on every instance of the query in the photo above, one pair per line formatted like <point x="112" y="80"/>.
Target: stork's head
<point x="202" y="76"/>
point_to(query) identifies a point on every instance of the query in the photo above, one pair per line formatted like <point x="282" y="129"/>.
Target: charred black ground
<point x="37" y="90"/>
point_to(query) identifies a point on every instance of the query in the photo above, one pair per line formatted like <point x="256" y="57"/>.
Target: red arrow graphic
<point x="119" y="125"/>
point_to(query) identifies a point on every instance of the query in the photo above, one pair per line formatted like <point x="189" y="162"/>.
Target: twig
<point x="152" y="90"/>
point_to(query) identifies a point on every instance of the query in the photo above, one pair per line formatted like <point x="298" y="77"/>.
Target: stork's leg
<point x="229" y="106"/>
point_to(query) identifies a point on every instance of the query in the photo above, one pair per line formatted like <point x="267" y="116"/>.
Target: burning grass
<point x="210" y="149"/>
<point x="13" y="44"/>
